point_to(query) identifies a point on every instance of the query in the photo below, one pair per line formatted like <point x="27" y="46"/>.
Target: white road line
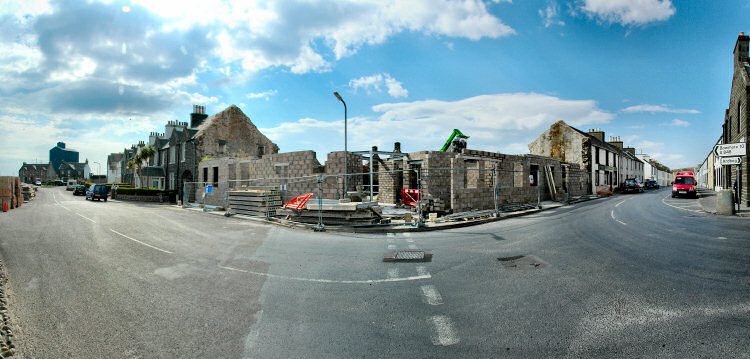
<point x="55" y="197"/>
<point x="139" y="242"/>
<point x="393" y="273"/>
<point x="678" y="207"/>
<point x="422" y="271"/>
<point x="612" y="214"/>
<point x="412" y="246"/>
<point x="432" y="295"/>
<point x="66" y="208"/>
<point x="390" y="240"/>
<point x="618" y="205"/>
<point x="409" y="240"/>
<point x="391" y="246"/>
<point x="331" y="281"/>
<point x="86" y="217"/>
<point x="444" y="333"/>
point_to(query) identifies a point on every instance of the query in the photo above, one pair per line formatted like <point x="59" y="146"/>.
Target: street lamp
<point x="346" y="153"/>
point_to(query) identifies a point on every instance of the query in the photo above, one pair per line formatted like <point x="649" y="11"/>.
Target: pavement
<point x="639" y="275"/>
<point x="707" y="201"/>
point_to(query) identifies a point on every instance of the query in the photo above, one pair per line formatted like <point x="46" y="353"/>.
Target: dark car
<point x="59" y="183"/>
<point x="632" y="185"/>
<point x="652" y="184"/>
<point x="97" y="191"/>
<point x="79" y="190"/>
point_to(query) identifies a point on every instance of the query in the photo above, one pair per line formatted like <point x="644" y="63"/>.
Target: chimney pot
<point x="742" y="33"/>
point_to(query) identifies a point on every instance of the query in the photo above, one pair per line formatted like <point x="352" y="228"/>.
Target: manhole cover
<point x="408" y="256"/>
<point x="522" y="263"/>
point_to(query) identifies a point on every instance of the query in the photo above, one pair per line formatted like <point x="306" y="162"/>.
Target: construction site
<point x="384" y="188"/>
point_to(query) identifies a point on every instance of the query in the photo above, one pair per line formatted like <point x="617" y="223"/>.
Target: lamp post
<point x="346" y="153"/>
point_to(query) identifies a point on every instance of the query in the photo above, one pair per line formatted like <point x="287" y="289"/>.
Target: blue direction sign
<point x="208" y="189"/>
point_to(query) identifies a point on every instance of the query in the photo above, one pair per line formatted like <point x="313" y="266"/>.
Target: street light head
<point x="335" y="93"/>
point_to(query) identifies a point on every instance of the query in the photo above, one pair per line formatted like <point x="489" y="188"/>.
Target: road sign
<point x="726" y="161"/>
<point x="730" y="150"/>
<point x="208" y="189"/>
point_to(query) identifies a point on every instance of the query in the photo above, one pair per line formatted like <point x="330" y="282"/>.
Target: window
<point x="606" y="157"/>
<point x="260" y="151"/>
<point x="183" y="151"/>
<point x="534" y="173"/>
<point x="216" y="176"/>
<point x="205" y="174"/>
<point x="518" y="174"/>
<point x="597" y="155"/>
<point x="171" y="154"/>
<point x="739" y="104"/>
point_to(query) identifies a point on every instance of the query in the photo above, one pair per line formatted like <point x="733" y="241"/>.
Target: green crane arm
<point x="455" y="133"/>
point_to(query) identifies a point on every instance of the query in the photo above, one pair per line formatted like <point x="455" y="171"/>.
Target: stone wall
<point x="294" y="173"/>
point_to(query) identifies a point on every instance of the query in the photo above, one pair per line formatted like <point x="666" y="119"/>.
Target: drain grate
<point x="522" y="263"/>
<point x="408" y="256"/>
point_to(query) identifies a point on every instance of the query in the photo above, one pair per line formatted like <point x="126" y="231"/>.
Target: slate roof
<point x="35" y="166"/>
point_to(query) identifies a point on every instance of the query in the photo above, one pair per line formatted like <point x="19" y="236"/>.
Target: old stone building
<point x="735" y="128"/>
<point x="31" y="171"/>
<point x="74" y="170"/>
<point x="607" y="163"/>
<point x="182" y="146"/>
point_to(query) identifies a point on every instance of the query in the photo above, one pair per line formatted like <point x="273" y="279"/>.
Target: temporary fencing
<point x="321" y="199"/>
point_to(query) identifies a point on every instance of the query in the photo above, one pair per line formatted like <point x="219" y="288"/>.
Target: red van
<point x="684" y="185"/>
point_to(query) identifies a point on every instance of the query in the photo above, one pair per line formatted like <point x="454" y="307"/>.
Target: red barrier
<point x="410" y="197"/>
<point x="298" y="202"/>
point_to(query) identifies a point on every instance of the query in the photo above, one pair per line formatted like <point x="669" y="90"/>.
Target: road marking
<point x="678" y="207"/>
<point x="618" y="205"/>
<point x="445" y="334"/>
<point x="721" y="237"/>
<point x="66" y="208"/>
<point x="422" y="271"/>
<point x="332" y="281"/>
<point x="390" y="240"/>
<point x="432" y="295"/>
<point x="409" y="240"/>
<point x="391" y="246"/>
<point x="612" y="214"/>
<point x="393" y="273"/>
<point x="137" y="241"/>
<point x="412" y="246"/>
<point x="86" y="217"/>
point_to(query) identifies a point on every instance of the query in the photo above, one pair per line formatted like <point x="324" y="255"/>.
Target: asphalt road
<point x="632" y="275"/>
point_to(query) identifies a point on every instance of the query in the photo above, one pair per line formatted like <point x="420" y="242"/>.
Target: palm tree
<point x="131" y="165"/>
<point x="147" y="153"/>
<point x="138" y="164"/>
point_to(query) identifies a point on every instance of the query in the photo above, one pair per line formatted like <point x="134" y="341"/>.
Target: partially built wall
<point x="294" y="173"/>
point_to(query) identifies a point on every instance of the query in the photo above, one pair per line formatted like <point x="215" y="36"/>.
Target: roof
<point x="35" y="166"/>
<point x="598" y="142"/>
<point x="77" y="166"/>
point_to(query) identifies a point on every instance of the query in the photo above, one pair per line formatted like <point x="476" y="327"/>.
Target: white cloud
<point x="264" y="95"/>
<point x="550" y="15"/>
<point x="678" y="122"/>
<point x="375" y="82"/>
<point x="628" y="12"/>
<point x="649" y="145"/>
<point x="657" y="108"/>
<point x="501" y="122"/>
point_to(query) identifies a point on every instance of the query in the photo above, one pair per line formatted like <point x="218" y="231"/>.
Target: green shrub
<point x="145" y="192"/>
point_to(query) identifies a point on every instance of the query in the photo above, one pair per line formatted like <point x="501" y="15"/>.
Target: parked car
<point x="71" y="185"/>
<point x="652" y="184"/>
<point x="37" y="183"/>
<point x="59" y="183"/>
<point x="97" y="191"/>
<point x="684" y="185"/>
<point x="632" y="185"/>
<point x="80" y="189"/>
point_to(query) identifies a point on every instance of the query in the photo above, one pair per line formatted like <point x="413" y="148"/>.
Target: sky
<point x="101" y="75"/>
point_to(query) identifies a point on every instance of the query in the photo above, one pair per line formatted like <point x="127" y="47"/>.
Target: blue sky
<point x="101" y="75"/>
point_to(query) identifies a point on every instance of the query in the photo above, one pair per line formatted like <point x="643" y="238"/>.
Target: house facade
<point x="736" y="119"/>
<point x="31" y="171"/>
<point x="74" y="170"/>
<point x="607" y="163"/>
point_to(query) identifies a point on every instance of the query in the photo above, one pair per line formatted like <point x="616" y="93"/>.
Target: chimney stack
<point x="615" y="141"/>
<point x="198" y="115"/>
<point x="397" y="147"/>
<point x="597" y="133"/>
<point x="740" y="49"/>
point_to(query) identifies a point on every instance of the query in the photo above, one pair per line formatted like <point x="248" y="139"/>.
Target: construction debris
<point x="335" y="213"/>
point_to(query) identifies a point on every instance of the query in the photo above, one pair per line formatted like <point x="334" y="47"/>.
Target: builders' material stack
<point x="17" y="192"/>
<point x="28" y="191"/>
<point x="7" y="192"/>
<point x="255" y="202"/>
<point x="334" y="213"/>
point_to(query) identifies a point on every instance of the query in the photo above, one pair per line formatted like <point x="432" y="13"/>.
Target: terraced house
<point x="182" y="146"/>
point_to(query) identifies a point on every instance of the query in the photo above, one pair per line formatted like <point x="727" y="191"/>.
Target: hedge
<point x="144" y="191"/>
